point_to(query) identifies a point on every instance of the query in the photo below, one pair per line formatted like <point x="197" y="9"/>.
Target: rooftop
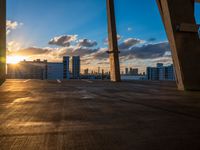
<point x="98" y="115"/>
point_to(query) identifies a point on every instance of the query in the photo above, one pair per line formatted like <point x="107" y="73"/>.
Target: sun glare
<point x="14" y="59"/>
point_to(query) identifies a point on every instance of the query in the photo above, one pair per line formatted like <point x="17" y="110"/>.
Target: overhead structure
<point x="2" y="40"/>
<point x="113" y="43"/>
<point x="182" y="31"/>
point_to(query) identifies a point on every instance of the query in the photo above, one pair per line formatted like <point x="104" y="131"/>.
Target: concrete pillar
<point x="2" y="40"/>
<point x="113" y="43"/>
<point x="182" y="32"/>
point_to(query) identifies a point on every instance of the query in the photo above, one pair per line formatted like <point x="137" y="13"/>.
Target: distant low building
<point x="161" y="72"/>
<point x="131" y="71"/>
<point x="86" y="72"/>
<point x="36" y="69"/>
<point x="134" y="71"/>
<point x="55" y="71"/>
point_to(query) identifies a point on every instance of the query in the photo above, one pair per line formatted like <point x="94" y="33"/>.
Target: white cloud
<point x="87" y="43"/>
<point x="118" y="38"/>
<point x="12" y="25"/>
<point x="13" y="46"/>
<point x="129" y="29"/>
<point x="129" y="43"/>
<point x="132" y="50"/>
<point x="64" y="40"/>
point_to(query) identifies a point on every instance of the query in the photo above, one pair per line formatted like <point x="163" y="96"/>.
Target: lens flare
<point x="14" y="59"/>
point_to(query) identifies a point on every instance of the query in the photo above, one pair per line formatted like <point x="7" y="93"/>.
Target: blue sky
<point x="37" y="22"/>
<point x="44" y="19"/>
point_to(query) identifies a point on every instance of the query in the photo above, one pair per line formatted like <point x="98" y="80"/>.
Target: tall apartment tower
<point x="74" y="67"/>
<point x="126" y="71"/>
<point x="66" y="73"/>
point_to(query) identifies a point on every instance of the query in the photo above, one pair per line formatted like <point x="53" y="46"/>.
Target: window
<point x="51" y="29"/>
<point x="142" y="39"/>
<point x="197" y="15"/>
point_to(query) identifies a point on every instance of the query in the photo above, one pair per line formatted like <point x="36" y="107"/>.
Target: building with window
<point x="55" y="71"/>
<point x="74" y="67"/>
<point x="161" y="72"/>
<point x="66" y="73"/>
<point x="36" y="69"/>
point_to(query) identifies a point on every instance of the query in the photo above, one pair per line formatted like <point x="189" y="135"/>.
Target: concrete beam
<point x="113" y="43"/>
<point x="185" y="45"/>
<point x="2" y="40"/>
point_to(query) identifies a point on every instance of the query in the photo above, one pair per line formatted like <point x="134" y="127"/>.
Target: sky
<point x="51" y="29"/>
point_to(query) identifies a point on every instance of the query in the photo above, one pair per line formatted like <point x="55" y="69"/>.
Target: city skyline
<point x="83" y="32"/>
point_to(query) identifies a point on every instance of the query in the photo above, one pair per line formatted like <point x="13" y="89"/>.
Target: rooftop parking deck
<point x="98" y="115"/>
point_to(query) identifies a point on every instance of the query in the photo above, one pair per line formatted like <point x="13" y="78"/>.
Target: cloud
<point x="130" y="52"/>
<point x="132" y="49"/>
<point x="63" y="41"/>
<point x="150" y="51"/>
<point x="129" y="43"/>
<point x="159" y="52"/>
<point x="77" y="51"/>
<point x="101" y="54"/>
<point x="12" y="25"/>
<point x="118" y="38"/>
<point x="151" y="39"/>
<point x="129" y="29"/>
<point x="82" y="51"/>
<point x="87" y="43"/>
<point x="33" y="51"/>
<point x="166" y="60"/>
<point x="13" y="46"/>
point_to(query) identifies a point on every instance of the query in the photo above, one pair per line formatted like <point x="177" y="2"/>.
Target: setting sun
<point x="14" y="59"/>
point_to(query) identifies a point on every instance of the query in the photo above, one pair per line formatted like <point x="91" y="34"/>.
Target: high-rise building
<point x="126" y="71"/>
<point x="66" y="64"/>
<point x="28" y="70"/>
<point x="99" y="70"/>
<point x="160" y="72"/>
<point x="170" y="73"/>
<point x="74" y="67"/>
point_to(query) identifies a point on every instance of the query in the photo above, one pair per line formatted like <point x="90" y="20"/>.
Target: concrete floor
<point x="96" y="115"/>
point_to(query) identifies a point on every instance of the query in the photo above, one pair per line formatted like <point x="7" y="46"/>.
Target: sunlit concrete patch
<point x="86" y="95"/>
<point x="88" y="81"/>
<point x="26" y="81"/>
<point x="59" y="81"/>
<point x="33" y="124"/>
<point x="21" y="101"/>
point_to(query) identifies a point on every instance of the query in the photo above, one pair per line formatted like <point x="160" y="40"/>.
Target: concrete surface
<point x="88" y="115"/>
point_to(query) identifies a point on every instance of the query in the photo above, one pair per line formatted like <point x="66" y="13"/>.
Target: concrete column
<point x="182" y="32"/>
<point x="2" y="40"/>
<point x="113" y="43"/>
